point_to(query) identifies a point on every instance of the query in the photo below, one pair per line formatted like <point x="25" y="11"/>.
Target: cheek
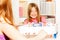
<point x="33" y="15"/>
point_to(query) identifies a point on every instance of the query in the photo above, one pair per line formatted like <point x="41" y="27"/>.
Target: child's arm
<point x="12" y="32"/>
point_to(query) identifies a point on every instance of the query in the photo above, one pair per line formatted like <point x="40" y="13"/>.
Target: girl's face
<point x="33" y="13"/>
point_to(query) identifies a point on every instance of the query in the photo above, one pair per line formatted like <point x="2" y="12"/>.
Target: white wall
<point x="58" y="14"/>
<point x="58" y="17"/>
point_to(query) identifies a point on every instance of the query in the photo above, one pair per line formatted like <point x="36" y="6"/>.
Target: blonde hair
<point x="29" y="11"/>
<point x="6" y="6"/>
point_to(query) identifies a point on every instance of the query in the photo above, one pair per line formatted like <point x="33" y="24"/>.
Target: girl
<point x="33" y="14"/>
<point x="7" y="28"/>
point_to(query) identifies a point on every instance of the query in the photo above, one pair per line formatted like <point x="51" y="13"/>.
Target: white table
<point x="26" y="29"/>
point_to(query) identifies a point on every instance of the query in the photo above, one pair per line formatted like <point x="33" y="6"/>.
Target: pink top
<point x="43" y="19"/>
<point x="2" y="37"/>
